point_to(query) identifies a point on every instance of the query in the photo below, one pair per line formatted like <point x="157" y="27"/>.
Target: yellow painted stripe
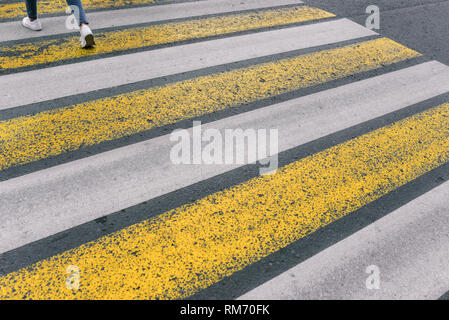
<point x="29" y="138"/>
<point x="18" y="9"/>
<point x="192" y="247"/>
<point x="40" y="52"/>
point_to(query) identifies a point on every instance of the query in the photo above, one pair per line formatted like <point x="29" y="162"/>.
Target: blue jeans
<point x="32" y="9"/>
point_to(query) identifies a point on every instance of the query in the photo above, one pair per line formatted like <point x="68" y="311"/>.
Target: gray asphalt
<point x="422" y="25"/>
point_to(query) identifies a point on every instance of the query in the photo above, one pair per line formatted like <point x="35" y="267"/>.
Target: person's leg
<point x="31" y="9"/>
<point x="87" y="38"/>
<point x="80" y="15"/>
<point x="31" y="21"/>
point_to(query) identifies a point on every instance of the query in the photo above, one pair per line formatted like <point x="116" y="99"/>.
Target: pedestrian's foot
<point x="87" y="38"/>
<point x="34" y="25"/>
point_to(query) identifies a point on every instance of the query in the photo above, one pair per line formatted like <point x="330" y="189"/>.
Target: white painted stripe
<point x="43" y="203"/>
<point x="123" y="17"/>
<point x="50" y="83"/>
<point x="409" y="246"/>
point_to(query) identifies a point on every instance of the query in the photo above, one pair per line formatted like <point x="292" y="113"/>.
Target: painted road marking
<point x="76" y="78"/>
<point x="67" y="195"/>
<point x="18" y="9"/>
<point x="48" y="51"/>
<point x="140" y="15"/>
<point x="49" y="133"/>
<point x="409" y="246"/>
<point x="185" y="250"/>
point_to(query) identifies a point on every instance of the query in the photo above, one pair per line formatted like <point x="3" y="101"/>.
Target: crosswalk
<point x="87" y="184"/>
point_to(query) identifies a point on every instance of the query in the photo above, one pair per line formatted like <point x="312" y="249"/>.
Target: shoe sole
<point x="90" y="42"/>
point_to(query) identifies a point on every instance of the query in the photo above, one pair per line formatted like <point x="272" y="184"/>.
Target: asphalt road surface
<point x="226" y="149"/>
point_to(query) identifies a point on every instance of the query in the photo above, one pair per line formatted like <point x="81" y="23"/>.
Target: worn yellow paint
<point x="30" y="138"/>
<point x="180" y="252"/>
<point x="40" y="52"/>
<point x="18" y="9"/>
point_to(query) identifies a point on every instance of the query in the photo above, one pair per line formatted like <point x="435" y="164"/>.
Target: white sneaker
<point x="87" y="38"/>
<point x="34" y="25"/>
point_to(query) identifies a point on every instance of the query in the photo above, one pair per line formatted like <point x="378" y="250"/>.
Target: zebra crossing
<point x="87" y="182"/>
